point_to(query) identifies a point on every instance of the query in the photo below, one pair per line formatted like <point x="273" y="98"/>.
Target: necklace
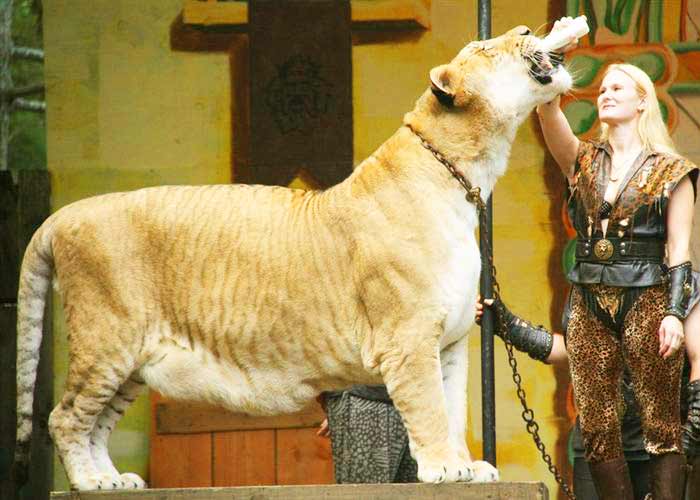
<point x="615" y="178"/>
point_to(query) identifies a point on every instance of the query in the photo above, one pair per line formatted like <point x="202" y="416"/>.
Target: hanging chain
<point x="473" y="195"/>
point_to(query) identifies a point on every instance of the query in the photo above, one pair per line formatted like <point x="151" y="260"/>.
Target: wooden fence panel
<point x="178" y="460"/>
<point x="303" y="457"/>
<point x="8" y="315"/>
<point x="244" y="458"/>
<point x="9" y="250"/>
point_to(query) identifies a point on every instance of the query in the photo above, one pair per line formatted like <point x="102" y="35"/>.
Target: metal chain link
<point x="474" y="196"/>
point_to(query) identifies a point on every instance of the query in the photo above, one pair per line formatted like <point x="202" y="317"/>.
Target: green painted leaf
<point x="581" y="115"/>
<point x="584" y="69"/>
<point x="664" y="111"/>
<point x="569" y="257"/>
<point x="651" y="63"/>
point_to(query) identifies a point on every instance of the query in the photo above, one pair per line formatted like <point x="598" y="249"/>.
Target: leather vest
<point x="631" y="253"/>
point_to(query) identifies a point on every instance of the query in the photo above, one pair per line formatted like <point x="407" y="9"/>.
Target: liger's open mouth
<point x="542" y="65"/>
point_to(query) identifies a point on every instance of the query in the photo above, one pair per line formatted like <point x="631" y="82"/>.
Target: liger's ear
<point x="440" y="80"/>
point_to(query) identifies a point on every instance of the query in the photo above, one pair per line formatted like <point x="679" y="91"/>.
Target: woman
<point x="631" y="200"/>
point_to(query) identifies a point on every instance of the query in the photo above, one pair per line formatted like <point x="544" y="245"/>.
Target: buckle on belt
<point x="603" y="249"/>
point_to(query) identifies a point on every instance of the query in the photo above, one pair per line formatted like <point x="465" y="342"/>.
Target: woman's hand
<point x="670" y="336"/>
<point x="563" y="24"/>
<point x="480" y="308"/>
<point x="323" y="430"/>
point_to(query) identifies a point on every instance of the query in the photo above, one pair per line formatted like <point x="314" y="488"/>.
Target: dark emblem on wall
<point x="298" y="97"/>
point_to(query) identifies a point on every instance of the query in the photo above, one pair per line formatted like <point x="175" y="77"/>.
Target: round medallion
<point x="603" y="249"/>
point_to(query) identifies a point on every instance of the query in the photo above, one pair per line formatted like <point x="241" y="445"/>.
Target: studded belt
<point x="608" y="250"/>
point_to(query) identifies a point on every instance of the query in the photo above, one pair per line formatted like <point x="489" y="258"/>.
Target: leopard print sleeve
<point x="584" y="156"/>
<point x="584" y="180"/>
<point x="687" y="167"/>
<point x="671" y="169"/>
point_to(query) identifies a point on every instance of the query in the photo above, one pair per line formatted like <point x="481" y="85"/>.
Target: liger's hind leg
<point x="88" y="392"/>
<point x="104" y="426"/>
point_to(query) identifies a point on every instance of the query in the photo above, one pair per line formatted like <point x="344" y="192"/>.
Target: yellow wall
<point x="124" y="111"/>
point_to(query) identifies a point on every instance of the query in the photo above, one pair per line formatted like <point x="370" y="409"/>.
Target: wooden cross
<point x="222" y="26"/>
<point x="291" y="118"/>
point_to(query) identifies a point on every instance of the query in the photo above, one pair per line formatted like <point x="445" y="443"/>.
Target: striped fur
<point x="257" y="298"/>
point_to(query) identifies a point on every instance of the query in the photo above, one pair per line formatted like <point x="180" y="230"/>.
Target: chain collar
<point x="473" y="193"/>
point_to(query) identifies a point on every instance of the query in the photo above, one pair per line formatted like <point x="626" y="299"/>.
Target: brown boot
<point x="667" y="476"/>
<point x="612" y="479"/>
<point x="693" y="478"/>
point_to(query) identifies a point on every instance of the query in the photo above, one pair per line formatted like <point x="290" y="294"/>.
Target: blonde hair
<point x="650" y="126"/>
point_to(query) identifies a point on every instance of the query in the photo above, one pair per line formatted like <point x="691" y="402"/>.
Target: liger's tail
<point x="34" y="282"/>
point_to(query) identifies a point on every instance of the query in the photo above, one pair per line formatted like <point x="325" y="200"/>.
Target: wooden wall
<point x="24" y="205"/>
<point x="216" y="449"/>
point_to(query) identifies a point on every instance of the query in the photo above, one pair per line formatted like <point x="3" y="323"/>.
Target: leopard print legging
<point x="597" y="356"/>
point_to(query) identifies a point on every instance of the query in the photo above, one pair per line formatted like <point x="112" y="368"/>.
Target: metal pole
<point x="488" y="399"/>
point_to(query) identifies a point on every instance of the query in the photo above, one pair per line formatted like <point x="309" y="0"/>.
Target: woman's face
<point x="618" y="101"/>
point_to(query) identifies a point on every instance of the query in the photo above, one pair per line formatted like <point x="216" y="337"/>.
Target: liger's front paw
<point x="484" y="472"/>
<point x="99" y="481"/>
<point x="440" y="466"/>
<point x="133" y="481"/>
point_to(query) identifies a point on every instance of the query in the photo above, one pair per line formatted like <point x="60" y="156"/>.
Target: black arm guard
<point x="680" y="279"/>
<point x="536" y="341"/>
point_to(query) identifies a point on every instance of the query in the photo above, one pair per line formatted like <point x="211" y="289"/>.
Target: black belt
<point x="608" y="250"/>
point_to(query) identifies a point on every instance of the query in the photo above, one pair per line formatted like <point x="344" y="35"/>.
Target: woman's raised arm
<point x="560" y="139"/>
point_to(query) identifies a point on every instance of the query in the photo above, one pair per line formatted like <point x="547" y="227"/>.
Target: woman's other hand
<point x="563" y="24"/>
<point x="671" y="336"/>
<point x="480" y="308"/>
<point x="323" y="429"/>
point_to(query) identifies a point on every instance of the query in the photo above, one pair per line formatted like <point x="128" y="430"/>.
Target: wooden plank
<point x="303" y="457"/>
<point x="300" y="91"/>
<point x="33" y="207"/>
<point x="385" y="12"/>
<point x="212" y="13"/>
<point x="9" y="265"/>
<point x="22" y="210"/>
<point x="179" y="461"/>
<point x="8" y="390"/>
<point x="9" y="248"/>
<point x="409" y="13"/>
<point x="34" y="202"/>
<point x="465" y="491"/>
<point x="240" y="108"/>
<point x="173" y="417"/>
<point x="244" y="458"/>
